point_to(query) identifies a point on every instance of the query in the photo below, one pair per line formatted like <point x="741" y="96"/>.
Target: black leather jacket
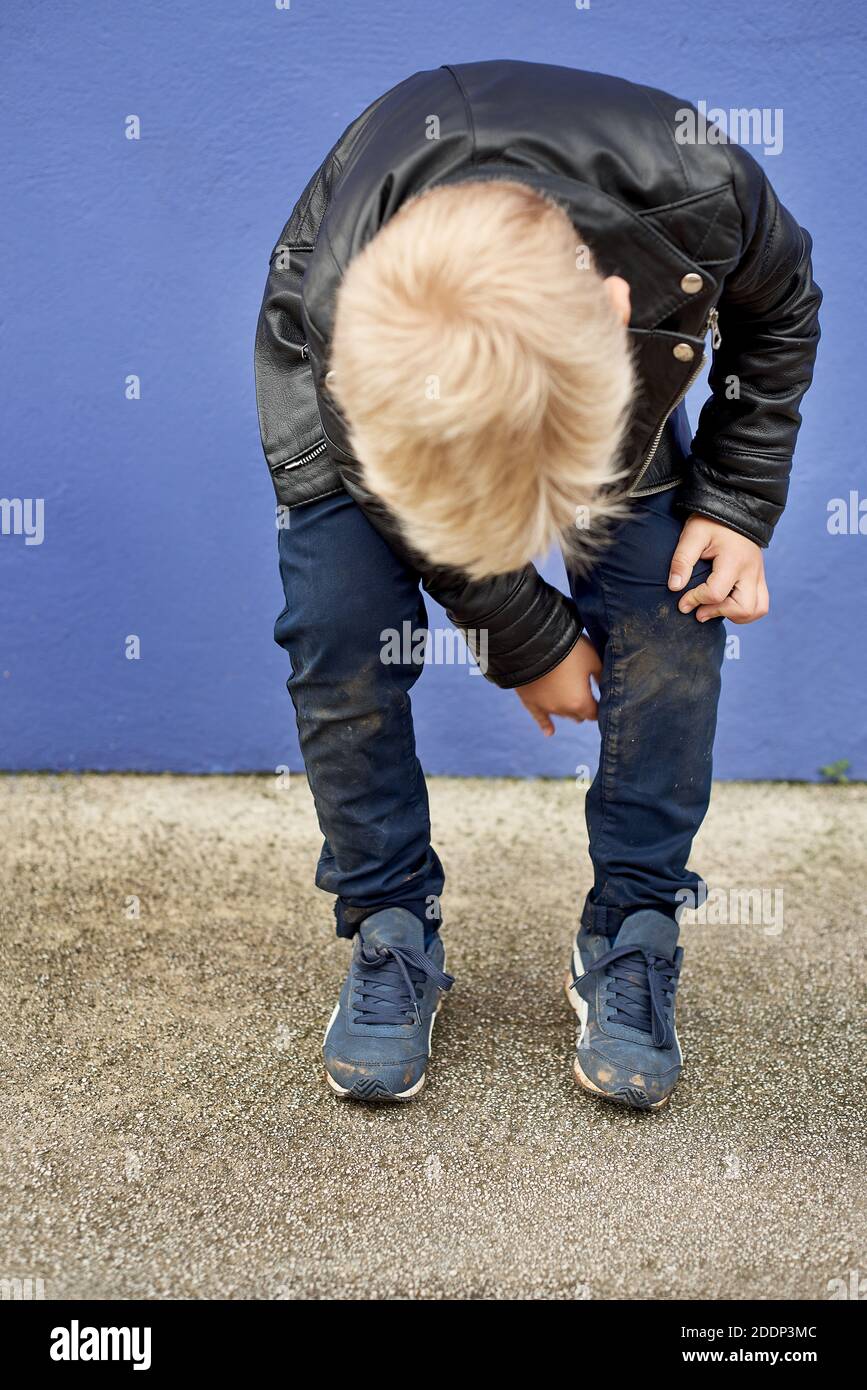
<point x="697" y="231"/>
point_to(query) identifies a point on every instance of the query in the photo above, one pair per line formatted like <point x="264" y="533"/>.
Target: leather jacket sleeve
<point x="528" y="626"/>
<point x="769" y="331"/>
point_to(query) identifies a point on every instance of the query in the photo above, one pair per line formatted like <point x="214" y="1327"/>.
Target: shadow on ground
<point x="166" y="1133"/>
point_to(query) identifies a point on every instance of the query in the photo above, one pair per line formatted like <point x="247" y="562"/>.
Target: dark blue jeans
<point x="657" y="715"/>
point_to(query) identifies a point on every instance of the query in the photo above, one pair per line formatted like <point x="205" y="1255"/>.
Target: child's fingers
<point x="544" y="721"/>
<point x="715" y="589"/>
<point x="692" y="542"/>
<point x="589" y="708"/>
<point x="729" y="608"/>
<point x="745" y="604"/>
<point x="585" y="707"/>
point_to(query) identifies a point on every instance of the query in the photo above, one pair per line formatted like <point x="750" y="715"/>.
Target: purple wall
<point x="148" y="257"/>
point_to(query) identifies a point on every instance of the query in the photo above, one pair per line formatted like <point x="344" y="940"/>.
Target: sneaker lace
<point x="641" y="990"/>
<point x="387" y="980"/>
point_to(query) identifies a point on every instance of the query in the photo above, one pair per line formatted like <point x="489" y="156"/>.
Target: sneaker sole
<point x="369" y="1090"/>
<point x="629" y="1098"/>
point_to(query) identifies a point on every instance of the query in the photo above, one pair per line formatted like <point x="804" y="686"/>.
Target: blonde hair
<point x="484" y="375"/>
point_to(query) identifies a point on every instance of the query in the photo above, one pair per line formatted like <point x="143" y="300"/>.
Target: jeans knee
<point x="663" y="655"/>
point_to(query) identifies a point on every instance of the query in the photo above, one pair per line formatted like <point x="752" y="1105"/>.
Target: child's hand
<point x="735" y="588"/>
<point x="565" y="691"/>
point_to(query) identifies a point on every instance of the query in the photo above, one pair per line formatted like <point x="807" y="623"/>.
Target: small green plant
<point x="836" y="772"/>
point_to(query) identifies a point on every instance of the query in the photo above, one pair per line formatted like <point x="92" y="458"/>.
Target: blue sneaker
<point x="377" y="1043"/>
<point x="623" y="992"/>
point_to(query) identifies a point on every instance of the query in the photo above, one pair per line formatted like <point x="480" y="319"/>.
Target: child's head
<point x="483" y="367"/>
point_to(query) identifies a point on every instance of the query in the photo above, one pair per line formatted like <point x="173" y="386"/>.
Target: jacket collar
<point x="623" y="242"/>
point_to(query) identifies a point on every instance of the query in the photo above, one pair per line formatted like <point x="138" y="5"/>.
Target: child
<point x="480" y="323"/>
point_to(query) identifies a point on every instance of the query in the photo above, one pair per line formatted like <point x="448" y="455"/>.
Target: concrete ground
<point x="164" y="1127"/>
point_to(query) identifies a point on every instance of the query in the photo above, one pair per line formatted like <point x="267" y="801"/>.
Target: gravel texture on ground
<point x="166" y="973"/>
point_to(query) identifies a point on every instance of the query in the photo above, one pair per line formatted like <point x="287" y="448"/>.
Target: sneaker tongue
<point x="652" y="930"/>
<point x="394" y="926"/>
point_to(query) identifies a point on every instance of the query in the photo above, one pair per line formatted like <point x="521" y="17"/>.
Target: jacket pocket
<point x="309" y="476"/>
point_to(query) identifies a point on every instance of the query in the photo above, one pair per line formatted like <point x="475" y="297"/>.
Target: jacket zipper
<point x="309" y="454"/>
<point x="306" y="457"/>
<point x="712" y="327"/>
